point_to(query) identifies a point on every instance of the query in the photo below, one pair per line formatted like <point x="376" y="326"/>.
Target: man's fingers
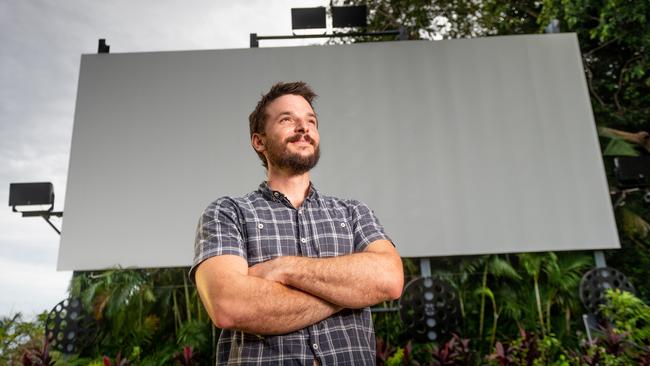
<point x="269" y="270"/>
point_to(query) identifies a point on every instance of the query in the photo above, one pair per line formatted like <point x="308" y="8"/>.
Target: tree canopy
<point x="614" y="37"/>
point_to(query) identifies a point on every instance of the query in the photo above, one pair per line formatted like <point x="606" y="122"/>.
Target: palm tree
<point x="532" y="264"/>
<point x="563" y="277"/>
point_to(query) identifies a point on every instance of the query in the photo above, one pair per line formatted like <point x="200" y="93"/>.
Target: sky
<point x="41" y="46"/>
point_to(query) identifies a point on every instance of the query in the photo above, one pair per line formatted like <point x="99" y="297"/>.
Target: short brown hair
<point x="257" y="119"/>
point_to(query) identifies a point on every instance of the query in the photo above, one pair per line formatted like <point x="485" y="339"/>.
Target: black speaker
<point x="349" y="16"/>
<point x="307" y="18"/>
<point x="632" y="171"/>
<point x="102" y="47"/>
<point x="23" y="194"/>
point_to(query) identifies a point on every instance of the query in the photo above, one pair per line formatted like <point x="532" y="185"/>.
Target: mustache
<point x="298" y="136"/>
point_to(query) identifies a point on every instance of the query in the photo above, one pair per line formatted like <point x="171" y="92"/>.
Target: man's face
<point x="291" y="139"/>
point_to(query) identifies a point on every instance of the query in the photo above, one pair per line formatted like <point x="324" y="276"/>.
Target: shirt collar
<point x="277" y="195"/>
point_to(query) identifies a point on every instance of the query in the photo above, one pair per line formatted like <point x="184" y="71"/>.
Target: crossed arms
<point x="289" y="293"/>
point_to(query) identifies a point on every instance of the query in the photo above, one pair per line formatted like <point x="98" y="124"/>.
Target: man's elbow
<point x="395" y="280"/>
<point x="395" y="286"/>
<point x="392" y="284"/>
<point x="224" y="316"/>
<point x="223" y="321"/>
<point x="391" y="274"/>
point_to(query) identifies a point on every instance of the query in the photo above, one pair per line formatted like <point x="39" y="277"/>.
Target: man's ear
<point x="259" y="142"/>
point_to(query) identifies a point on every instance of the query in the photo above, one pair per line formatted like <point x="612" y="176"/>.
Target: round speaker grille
<point x="67" y="325"/>
<point x="596" y="282"/>
<point x="429" y="308"/>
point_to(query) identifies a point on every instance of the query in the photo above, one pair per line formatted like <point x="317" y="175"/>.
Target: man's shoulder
<point x="249" y="200"/>
<point x="332" y="201"/>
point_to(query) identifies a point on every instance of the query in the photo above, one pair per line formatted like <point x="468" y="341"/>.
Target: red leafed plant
<point x="119" y="361"/>
<point x="454" y="352"/>
<point x="384" y="350"/>
<point x="38" y="356"/>
<point x="186" y="358"/>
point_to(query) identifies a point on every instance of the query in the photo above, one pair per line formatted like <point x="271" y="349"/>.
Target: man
<point x="287" y="272"/>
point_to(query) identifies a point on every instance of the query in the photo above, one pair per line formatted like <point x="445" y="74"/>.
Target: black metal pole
<point x="325" y="35"/>
<point x="47" y="219"/>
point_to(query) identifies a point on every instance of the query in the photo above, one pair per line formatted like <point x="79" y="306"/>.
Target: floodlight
<point x="349" y="16"/>
<point x="308" y="18"/>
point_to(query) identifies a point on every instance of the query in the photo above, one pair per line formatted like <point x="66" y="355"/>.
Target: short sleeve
<point x="218" y="232"/>
<point x="366" y="227"/>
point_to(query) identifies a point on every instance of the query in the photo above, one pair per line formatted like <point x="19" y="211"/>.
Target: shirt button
<point x="343" y="224"/>
<point x="315" y="346"/>
<point x="260" y="226"/>
<point x="276" y="194"/>
<point x="300" y="211"/>
<point x="303" y="240"/>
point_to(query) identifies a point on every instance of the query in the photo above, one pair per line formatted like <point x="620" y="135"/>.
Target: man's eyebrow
<point x="287" y="113"/>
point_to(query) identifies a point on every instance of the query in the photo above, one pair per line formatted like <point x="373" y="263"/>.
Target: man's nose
<point x="302" y="125"/>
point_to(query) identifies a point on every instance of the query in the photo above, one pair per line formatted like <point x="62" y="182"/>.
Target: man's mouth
<point x="300" y="138"/>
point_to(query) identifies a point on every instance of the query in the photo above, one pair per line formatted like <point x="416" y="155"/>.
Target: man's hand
<point x="272" y="270"/>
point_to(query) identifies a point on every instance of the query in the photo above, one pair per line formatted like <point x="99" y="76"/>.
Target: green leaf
<point x="148" y="294"/>
<point x="396" y="358"/>
<point x="485" y="291"/>
<point x="618" y="147"/>
<point x="638" y="71"/>
<point x="500" y="267"/>
<point x="634" y="226"/>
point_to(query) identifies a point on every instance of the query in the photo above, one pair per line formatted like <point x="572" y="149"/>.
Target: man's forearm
<point x="355" y="281"/>
<point x="351" y="281"/>
<point x="262" y="306"/>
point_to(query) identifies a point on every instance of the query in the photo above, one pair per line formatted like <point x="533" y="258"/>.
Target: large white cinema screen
<point x="461" y="147"/>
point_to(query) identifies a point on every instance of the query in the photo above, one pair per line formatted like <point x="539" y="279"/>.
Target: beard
<point x="280" y="157"/>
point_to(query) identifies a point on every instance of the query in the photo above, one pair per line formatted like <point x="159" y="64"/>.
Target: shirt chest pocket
<point x="335" y="238"/>
<point x="268" y="240"/>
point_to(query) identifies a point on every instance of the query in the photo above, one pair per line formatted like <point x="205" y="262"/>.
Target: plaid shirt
<point x="263" y="225"/>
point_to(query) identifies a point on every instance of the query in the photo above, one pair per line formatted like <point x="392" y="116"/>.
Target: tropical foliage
<point x="18" y="335"/>
<point x="630" y="315"/>
<point x="502" y="294"/>
<point x="144" y="317"/>
<point x="532" y="319"/>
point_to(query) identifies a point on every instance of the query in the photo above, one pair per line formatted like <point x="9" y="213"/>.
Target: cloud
<point x="19" y="292"/>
